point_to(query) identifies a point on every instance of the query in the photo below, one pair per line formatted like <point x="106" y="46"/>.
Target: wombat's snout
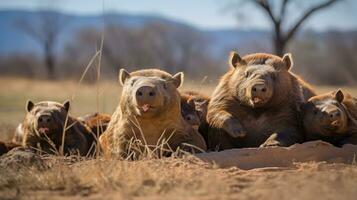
<point x="44" y="123"/>
<point x="147" y="97"/>
<point x="146" y="93"/>
<point x="259" y="89"/>
<point x="44" y="119"/>
<point x="259" y="93"/>
<point x="334" y="117"/>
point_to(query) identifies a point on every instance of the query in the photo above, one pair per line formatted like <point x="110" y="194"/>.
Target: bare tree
<point x="45" y="30"/>
<point x="276" y="11"/>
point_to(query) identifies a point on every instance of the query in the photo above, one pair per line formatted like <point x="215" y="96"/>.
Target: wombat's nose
<point x="146" y="92"/>
<point x="259" y="89"/>
<point x="43" y="119"/>
<point x="334" y="115"/>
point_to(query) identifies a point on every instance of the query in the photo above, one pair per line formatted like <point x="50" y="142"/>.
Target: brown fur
<point x="163" y="123"/>
<point x="194" y="105"/>
<point x="75" y="136"/>
<point x="97" y="123"/>
<point x="316" y="120"/>
<point x="275" y="122"/>
<point x="19" y="134"/>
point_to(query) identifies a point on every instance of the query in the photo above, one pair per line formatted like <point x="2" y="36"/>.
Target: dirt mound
<point x="250" y="158"/>
<point x="21" y="157"/>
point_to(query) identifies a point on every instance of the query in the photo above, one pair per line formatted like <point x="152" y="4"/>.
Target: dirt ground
<point x="178" y="179"/>
<point x="170" y="178"/>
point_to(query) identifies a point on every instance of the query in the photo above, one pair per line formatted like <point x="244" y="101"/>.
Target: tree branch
<point x="266" y="6"/>
<point x="283" y="10"/>
<point x="307" y="14"/>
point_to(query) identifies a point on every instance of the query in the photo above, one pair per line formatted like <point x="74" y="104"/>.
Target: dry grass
<point x="170" y="178"/>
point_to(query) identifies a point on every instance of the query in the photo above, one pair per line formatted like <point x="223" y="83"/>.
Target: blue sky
<point x="205" y="14"/>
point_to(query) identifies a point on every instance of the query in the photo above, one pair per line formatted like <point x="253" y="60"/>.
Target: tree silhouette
<point x="276" y="11"/>
<point x="44" y="30"/>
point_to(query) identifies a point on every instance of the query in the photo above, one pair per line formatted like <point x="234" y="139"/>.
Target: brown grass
<point x="170" y="178"/>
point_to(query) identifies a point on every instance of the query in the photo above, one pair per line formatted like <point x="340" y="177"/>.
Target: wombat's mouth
<point x="43" y="130"/>
<point x="332" y="128"/>
<point x="146" y="108"/>
<point x="256" y="101"/>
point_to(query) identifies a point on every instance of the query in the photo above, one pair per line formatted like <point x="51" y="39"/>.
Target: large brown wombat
<point x="43" y="129"/>
<point x="331" y="117"/>
<point x="256" y="103"/>
<point x="148" y="112"/>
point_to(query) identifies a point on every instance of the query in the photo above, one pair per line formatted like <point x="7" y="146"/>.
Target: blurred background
<point x="56" y="39"/>
<point x="46" y="45"/>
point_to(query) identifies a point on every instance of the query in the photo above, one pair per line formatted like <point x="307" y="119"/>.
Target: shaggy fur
<point x="162" y="123"/>
<point x="238" y="119"/>
<point x="320" y="123"/>
<point x="97" y="123"/>
<point x="48" y="137"/>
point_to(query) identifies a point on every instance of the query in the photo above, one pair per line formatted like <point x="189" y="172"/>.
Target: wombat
<point x="194" y="110"/>
<point x="44" y="126"/>
<point x="149" y="112"/>
<point x="331" y="117"/>
<point x="97" y="123"/>
<point x="256" y="103"/>
<point x="194" y="107"/>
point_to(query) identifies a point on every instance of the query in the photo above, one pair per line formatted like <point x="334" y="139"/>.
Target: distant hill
<point x="12" y="39"/>
<point x="219" y="42"/>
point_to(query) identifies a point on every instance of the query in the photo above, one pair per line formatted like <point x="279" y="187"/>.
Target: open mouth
<point x="257" y="101"/>
<point x="146" y="108"/>
<point x="43" y="130"/>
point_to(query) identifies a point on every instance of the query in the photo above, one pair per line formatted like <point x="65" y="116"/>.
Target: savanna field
<point x="169" y="178"/>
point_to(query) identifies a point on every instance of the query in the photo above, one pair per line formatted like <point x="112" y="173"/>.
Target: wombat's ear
<point x="66" y="105"/>
<point x="235" y="60"/>
<point x="29" y="105"/>
<point x="178" y="79"/>
<point x="123" y="75"/>
<point x="288" y="61"/>
<point x="339" y="96"/>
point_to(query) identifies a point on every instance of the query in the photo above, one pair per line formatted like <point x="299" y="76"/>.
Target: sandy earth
<point x="313" y="170"/>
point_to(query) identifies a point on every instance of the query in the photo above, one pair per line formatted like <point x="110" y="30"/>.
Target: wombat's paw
<point x="271" y="143"/>
<point x="236" y="132"/>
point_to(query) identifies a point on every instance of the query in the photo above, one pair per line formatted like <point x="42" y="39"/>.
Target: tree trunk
<point x="49" y="62"/>
<point x="279" y="46"/>
<point x="50" y="65"/>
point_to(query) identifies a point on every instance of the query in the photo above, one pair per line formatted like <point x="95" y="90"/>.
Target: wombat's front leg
<point x="284" y="138"/>
<point x="228" y="123"/>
